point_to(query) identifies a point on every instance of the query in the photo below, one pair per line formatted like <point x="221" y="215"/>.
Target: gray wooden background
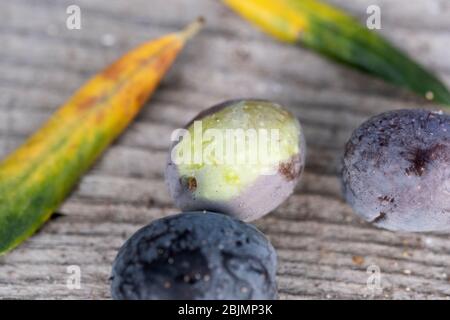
<point x="324" y="249"/>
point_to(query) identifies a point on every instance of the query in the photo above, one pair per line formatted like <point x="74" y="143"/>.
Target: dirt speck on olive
<point x="250" y="156"/>
<point x="396" y="170"/>
<point x="195" y="256"/>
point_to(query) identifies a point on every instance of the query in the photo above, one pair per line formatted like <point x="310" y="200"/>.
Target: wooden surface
<point x="323" y="248"/>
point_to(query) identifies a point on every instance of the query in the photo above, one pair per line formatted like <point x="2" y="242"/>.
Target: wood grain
<point x="323" y="248"/>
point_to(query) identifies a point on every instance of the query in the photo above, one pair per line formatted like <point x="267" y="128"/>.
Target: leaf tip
<point x="193" y="28"/>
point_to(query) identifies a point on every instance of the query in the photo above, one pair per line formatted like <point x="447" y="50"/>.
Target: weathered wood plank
<point x="323" y="248"/>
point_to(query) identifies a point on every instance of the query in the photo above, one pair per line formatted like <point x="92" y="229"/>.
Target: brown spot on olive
<point x="381" y="217"/>
<point x="189" y="183"/>
<point x="421" y="158"/>
<point x="386" y="199"/>
<point x="289" y="170"/>
<point x="192" y="184"/>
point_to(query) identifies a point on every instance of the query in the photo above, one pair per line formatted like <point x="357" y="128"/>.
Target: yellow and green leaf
<point x="337" y="35"/>
<point x="36" y="177"/>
